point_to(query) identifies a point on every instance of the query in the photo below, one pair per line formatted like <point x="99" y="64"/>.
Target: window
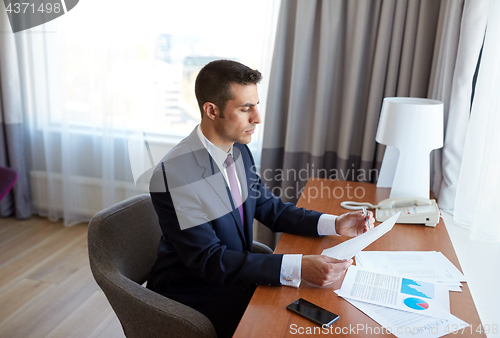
<point x="132" y="65"/>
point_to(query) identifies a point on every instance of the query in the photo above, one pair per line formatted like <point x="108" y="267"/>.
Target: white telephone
<point x="414" y="210"/>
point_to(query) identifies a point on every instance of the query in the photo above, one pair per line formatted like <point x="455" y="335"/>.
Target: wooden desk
<point x="267" y="316"/>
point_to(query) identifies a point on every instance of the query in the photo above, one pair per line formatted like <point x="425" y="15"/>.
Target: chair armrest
<point x="259" y="247"/>
<point x="146" y="314"/>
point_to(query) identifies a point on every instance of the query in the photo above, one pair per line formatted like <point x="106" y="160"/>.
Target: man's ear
<point x="210" y="110"/>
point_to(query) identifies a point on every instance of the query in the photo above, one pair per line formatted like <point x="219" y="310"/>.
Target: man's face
<point x="241" y="115"/>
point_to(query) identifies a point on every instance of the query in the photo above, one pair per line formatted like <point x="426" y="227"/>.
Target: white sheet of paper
<point x="423" y="298"/>
<point x="423" y="265"/>
<point x="455" y="288"/>
<point x="348" y="249"/>
<point x="404" y="324"/>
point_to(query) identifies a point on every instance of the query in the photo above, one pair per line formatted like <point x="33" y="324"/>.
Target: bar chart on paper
<point x="419" y="289"/>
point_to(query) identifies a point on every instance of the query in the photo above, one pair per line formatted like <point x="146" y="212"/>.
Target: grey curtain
<point x="334" y="62"/>
<point x="12" y="154"/>
<point x="12" y="130"/>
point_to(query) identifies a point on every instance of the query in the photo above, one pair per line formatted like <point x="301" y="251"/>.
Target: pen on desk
<point x="365" y="213"/>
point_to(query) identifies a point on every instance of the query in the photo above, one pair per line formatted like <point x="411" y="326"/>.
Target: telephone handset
<point x="414" y="210"/>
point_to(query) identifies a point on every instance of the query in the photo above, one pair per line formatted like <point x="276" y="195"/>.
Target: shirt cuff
<point x="291" y="267"/>
<point x="326" y="225"/>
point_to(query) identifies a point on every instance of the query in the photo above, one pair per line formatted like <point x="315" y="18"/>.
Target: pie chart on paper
<point x="416" y="303"/>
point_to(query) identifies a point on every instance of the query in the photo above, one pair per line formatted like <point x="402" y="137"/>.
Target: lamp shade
<point x="411" y="128"/>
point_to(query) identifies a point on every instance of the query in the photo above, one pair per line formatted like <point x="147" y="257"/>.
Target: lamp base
<point x="407" y="173"/>
<point x="388" y="167"/>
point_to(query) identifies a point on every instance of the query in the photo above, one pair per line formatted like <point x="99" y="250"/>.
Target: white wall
<point x="480" y="263"/>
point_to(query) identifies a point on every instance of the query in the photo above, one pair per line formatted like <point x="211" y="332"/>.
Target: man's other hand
<point x="323" y="270"/>
<point x="353" y="223"/>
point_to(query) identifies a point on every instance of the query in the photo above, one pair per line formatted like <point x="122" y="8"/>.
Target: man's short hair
<point x="213" y="83"/>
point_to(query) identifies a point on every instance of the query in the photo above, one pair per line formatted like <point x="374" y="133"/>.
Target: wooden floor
<point x="46" y="287"/>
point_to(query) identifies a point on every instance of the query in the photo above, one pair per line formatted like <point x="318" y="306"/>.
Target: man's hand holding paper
<point x="323" y="270"/>
<point x="348" y="249"/>
<point x="353" y="224"/>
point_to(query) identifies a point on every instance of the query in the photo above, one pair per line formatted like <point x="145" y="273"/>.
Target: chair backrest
<point x="123" y="240"/>
<point x="125" y="236"/>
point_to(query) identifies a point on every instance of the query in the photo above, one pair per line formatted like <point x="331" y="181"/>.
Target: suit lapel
<point x="241" y="172"/>
<point x="244" y="169"/>
<point x="215" y="179"/>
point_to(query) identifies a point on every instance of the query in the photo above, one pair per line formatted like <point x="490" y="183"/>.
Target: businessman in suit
<point x="207" y="193"/>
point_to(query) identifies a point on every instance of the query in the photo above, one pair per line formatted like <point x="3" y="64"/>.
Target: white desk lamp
<point x="411" y="128"/>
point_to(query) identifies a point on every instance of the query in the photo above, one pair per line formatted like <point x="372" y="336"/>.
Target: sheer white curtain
<point x="478" y="189"/>
<point x="466" y="177"/>
<point x="105" y="70"/>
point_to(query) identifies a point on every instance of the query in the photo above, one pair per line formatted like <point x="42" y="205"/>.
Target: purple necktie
<point x="233" y="183"/>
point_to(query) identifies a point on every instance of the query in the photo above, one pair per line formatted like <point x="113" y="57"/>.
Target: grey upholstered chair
<point x="123" y="240"/>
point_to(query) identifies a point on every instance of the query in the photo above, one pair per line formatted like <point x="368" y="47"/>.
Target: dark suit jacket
<point x="205" y="255"/>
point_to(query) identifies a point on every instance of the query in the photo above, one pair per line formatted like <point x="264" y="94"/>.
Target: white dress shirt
<point x="291" y="265"/>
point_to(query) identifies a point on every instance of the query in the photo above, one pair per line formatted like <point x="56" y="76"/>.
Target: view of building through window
<point x="138" y="70"/>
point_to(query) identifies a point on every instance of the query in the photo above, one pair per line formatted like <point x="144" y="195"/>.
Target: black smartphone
<point x="313" y="312"/>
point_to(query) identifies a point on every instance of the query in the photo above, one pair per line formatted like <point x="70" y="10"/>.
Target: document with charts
<point x="404" y="324"/>
<point x="406" y="294"/>
<point x="423" y="265"/>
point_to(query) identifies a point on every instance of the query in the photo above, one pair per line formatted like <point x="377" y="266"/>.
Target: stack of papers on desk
<point x="402" y="305"/>
<point x="404" y="324"/>
<point x="400" y="293"/>
<point x="423" y="265"/>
